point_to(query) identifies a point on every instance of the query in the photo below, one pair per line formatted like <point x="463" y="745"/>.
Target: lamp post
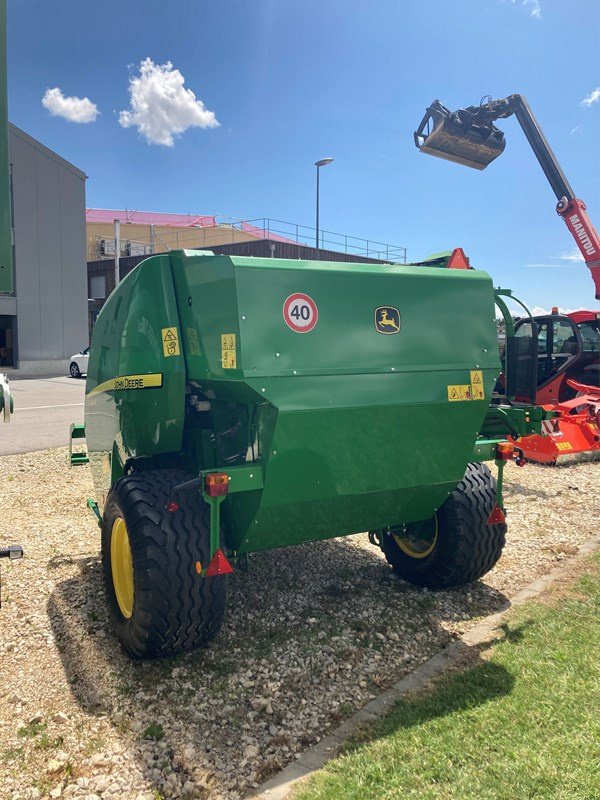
<point x="318" y="164"/>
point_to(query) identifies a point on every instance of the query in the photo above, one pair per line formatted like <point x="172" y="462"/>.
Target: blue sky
<point x="290" y="82"/>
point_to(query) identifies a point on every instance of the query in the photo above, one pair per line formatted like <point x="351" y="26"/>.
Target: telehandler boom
<point x="469" y="137"/>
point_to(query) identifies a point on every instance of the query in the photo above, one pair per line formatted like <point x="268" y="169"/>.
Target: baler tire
<point x="174" y="609"/>
<point x="466" y="546"/>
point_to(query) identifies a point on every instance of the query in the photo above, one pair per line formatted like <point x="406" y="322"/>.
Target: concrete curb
<point x="279" y="786"/>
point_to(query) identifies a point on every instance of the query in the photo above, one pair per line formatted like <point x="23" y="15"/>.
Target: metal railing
<point x="276" y="229"/>
<point x="261" y="227"/>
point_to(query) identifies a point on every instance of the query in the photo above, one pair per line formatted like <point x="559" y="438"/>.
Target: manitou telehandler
<point x="568" y="366"/>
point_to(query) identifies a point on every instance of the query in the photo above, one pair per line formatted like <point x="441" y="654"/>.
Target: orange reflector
<point x="216" y="484"/>
<point x="219" y="565"/>
<point x="497" y="516"/>
<point x="199" y="567"/>
<point x="504" y="451"/>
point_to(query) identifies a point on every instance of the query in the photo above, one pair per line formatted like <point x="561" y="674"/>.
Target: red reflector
<point x="504" y="451"/>
<point x="172" y="506"/>
<point x="497" y="516"/>
<point x="216" y="484"/>
<point x="219" y="565"/>
<point x="458" y="259"/>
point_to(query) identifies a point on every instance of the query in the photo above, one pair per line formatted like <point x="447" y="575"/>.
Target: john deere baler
<point x="240" y="404"/>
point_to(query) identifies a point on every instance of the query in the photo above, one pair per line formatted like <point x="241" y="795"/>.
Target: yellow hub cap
<point x="418" y="539"/>
<point x="122" y="566"/>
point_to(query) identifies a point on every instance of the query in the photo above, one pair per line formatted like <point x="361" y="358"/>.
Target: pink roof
<point x="149" y="218"/>
<point x="262" y="233"/>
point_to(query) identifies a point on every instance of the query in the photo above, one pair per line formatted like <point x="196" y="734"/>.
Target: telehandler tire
<point x="151" y="557"/>
<point x="456" y="546"/>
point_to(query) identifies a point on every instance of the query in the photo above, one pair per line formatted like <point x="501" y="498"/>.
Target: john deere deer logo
<point x="387" y="319"/>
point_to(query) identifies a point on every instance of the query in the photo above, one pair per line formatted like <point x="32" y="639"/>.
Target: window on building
<point x="97" y="287"/>
<point x="6" y="342"/>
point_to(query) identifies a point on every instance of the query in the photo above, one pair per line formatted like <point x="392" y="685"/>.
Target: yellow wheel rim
<point x="122" y="566"/>
<point x="418" y="539"/>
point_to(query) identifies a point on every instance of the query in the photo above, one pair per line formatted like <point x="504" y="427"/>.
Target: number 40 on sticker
<point x="300" y="312"/>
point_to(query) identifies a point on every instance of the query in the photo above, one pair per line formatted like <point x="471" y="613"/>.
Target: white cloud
<point x="536" y="7"/>
<point x="160" y="105"/>
<point x="538" y="311"/>
<point x="591" y="98"/>
<point x="573" y="255"/>
<point x="73" y="109"/>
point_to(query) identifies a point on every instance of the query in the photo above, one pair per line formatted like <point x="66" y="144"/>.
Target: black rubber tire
<point x="174" y="609"/>
<point x="74" y="370"/>
<point x="466" y="547"/>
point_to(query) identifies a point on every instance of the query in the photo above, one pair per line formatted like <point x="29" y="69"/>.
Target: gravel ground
<point x="312" y="633"/>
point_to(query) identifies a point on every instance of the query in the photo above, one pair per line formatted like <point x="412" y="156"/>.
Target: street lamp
<point x="318" y="164"/>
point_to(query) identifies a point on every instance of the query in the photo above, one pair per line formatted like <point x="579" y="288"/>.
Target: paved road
<point x="44" y="410"/>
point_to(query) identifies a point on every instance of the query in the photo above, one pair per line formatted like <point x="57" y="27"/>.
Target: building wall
<point x="166" y="237"/>
<point x="50" y="271"/>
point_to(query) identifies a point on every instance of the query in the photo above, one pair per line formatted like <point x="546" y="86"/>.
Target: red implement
<point x="573" y="435"/>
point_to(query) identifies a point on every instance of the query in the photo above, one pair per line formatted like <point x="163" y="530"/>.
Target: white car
<point x="79" y="363"/>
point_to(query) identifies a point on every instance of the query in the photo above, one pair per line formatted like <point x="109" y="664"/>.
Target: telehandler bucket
<point x="459" y="136"/>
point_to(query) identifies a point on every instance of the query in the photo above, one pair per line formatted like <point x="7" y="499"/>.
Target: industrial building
<point x="44" y="321"/>
<point x="146" y="232"/>
<point x="138" y="234"/>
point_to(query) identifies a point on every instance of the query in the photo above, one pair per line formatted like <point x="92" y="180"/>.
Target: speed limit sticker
<point x="300" y="313"/>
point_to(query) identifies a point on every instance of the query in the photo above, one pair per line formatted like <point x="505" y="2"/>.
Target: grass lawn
<point x="523" y="721"/>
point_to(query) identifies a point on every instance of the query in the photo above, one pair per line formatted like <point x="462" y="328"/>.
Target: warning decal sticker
<point x="300" y="313"/>
<point x="467" y="391"/>
<point x="477" y="392"/>
<point x="228" y="356"/>
<point x="193" y="341"/>
<point x="564" y="445"/>
<point x="459" y="392"/>
<point x="170" y="341"/>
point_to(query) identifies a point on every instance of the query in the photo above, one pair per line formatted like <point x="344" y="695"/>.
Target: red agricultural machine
<point x="567" y="380"/>
<point x="568" y="383"/>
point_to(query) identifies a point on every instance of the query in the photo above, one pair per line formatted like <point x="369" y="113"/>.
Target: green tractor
<point x="235" y="405"/>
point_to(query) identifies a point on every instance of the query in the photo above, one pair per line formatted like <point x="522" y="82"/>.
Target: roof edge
<point x="30" y="140"/>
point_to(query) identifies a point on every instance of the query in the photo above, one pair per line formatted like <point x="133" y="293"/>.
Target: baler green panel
<point x="135" y="390"/>
<point x="358" y="431"/>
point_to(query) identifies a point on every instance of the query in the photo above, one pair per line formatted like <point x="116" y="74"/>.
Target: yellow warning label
<point x="170" y="340"/>
<point x="228" y="354"/>
<point x="477" y="391"/>
<point x="564" y="445"/>
<point x="193" y="341"/>
<point x="459" y="391"/>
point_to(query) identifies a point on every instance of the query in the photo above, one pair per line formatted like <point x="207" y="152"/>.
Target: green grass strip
<point x="523" y="723"/>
